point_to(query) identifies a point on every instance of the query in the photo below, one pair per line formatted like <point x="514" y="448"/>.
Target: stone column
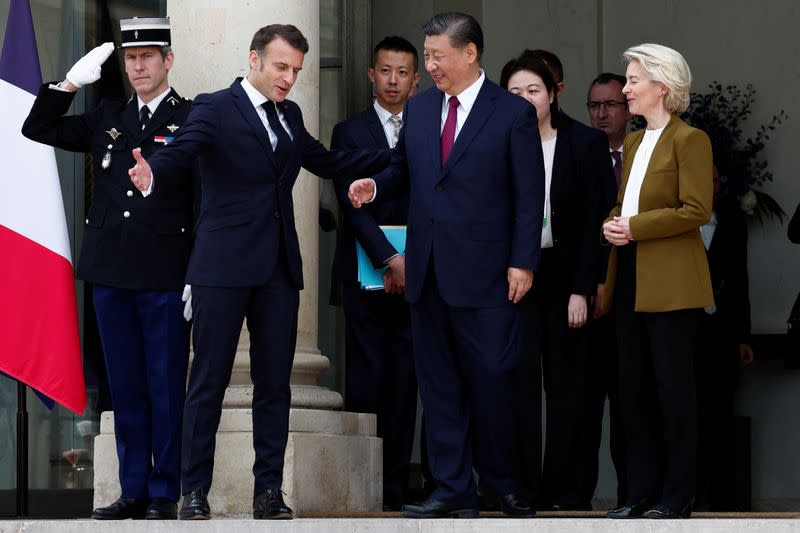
<point x="333" y="459"/>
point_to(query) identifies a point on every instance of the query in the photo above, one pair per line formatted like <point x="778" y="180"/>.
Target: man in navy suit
<point x="380" y="374"/>
<point x="249" y="143"/>
<point x="134" y="252"/>
<point x="470" y="155"/>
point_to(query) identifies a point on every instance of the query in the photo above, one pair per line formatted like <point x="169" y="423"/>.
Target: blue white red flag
<point x="39" y="342"/>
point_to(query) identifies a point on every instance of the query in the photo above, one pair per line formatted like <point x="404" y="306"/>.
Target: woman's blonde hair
<point x="666" y="66"/>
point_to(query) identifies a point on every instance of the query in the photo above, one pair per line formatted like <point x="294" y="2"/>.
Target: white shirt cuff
<point x="374" y="191"/>
<point x="147" y="192"/>
<point x="57" y="88"/>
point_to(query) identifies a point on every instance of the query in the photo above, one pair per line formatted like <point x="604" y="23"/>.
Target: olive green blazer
<point x="675" y="200"/>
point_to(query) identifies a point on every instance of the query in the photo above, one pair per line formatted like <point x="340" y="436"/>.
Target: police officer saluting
<point x="135" y="250"/>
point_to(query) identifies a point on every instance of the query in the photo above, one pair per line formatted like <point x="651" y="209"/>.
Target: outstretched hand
<point x="141" y="174"/>
<point x="361" y="191"/>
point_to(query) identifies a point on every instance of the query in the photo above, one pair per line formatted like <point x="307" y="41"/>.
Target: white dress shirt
<point x="256" y="98"/>
<point x="630" y="202"/>
<point x="153" y="104"/>
<point x="707" y="230"/>
<point x="465" y="102"/>
<point x="385" y="117"/>
<point x="549" y="151"/>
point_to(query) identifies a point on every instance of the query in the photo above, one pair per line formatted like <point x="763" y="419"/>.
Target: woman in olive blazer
<point x="658" y="281"/>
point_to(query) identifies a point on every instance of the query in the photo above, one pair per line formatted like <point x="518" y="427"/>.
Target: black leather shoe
<point x="630" y="510"/>
<point x="431" y="508"/>
<point x="661" y="511"/>
<point x="121" y="509"/>
<point x="270" y="505"/>
<point x="195" y="506"/>
<point x="161" y="509"/>
<point x="514" y="507"/>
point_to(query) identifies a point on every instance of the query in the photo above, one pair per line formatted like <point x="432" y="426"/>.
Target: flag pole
<point x="22" y="451"/>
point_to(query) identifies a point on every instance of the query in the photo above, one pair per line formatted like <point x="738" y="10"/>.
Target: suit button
<point x="183" y="230"/>
<point x="110" y="147"/>
<point x="129" y="194"/>
<point x="127" y="214"/>
<point x="87" y="220"/>
<point x="277" y="214"/>
<point x="439" y="188"/>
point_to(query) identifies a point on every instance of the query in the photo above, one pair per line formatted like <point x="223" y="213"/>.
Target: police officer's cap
<point x="145" y="32"/>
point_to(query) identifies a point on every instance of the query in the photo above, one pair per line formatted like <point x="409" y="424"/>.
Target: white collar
<point x="467" y="97"/>
<point x="383" y="114"/>
<point x="153" y="104"/>
<point x="255" y="96"/>
<point x="617" y="149"/>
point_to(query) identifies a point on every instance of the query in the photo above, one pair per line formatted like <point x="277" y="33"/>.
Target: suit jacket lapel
<point x="627" y="163"/>
<point x="130" y="119"/>
<point x="250" y="115"/>
<point x="430" y="115"/>
<point x="163" y="113"/>
<point x="481" y="111"/>
<point x="560" y="164"/>
<point x="295" y="124"/>
<point x="375" y="128"/>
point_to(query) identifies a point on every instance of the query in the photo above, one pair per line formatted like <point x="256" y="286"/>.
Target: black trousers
<point x="602" y="383"/>
<point x="380" y="378"/>
<point x="657" y="393"/>
<point x="271" y="312"/>
<point x="718" y="371"/>
<point x="553" y="354"/>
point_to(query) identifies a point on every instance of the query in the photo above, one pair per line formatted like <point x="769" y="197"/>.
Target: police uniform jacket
<point x="130" y="241"/>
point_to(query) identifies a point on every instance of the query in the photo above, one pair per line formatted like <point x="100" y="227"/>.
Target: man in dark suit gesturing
<point x="470" y="154"/>
<point x="380" y="375"/>
<point x="249" y="143"/>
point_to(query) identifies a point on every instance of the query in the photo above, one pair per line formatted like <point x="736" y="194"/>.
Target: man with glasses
<point x="608" y="111"/>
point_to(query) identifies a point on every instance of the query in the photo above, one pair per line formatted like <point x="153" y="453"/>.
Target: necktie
<point x="449" y="131"/>
<point x="617" y="157"/>
<point x="144" y="116"/>
<point x="397" y="122"/>
<point x="284" y="143"/>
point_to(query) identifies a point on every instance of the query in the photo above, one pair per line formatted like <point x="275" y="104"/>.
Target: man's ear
<point x="471" y="52"/>
<point x="255" y="60"/>
<point x="371" y="74"/>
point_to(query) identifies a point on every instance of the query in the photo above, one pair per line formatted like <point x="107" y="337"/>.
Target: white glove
<point x="87" y="70"/>
<point x="187" y="297"/>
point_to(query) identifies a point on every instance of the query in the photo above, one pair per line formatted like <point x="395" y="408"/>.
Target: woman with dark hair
<point x="577" y="171"/>
<point x="658" y="278"/>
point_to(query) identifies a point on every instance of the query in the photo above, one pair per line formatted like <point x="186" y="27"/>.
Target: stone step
<point x="399" y="525"/>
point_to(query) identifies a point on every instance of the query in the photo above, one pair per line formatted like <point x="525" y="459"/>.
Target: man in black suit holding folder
<point x="380" y="374"/>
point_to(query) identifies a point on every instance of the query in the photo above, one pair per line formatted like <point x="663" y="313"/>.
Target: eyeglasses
<point x="610" y="105"/>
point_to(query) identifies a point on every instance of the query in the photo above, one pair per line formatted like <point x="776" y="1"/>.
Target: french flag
<point x="39" y="342"/>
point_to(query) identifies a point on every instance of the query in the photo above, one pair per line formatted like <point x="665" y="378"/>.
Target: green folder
<point x="369" y="277"/>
